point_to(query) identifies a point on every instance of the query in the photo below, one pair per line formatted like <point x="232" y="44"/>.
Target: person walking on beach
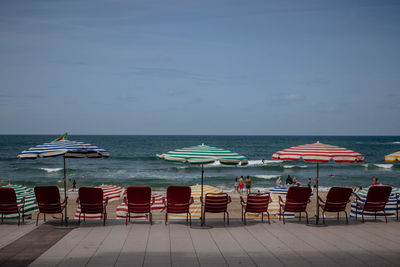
<point x="248" y="185"/>
<point x="236" y="186"/>
<point x="74" y="185"/>
<point x="241" y="185"/>
<point x="309" y="183"/>
<point x="289" y="180"/>
<point x="375" y="181"/>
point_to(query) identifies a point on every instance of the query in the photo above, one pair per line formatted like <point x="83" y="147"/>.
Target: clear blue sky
<point x="200" y="67"/>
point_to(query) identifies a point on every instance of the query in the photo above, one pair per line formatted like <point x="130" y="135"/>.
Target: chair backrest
<point x="297" y="198"/>
<point x="178" y="198"/>
<point x="257" y="202"/>
<point x="216" y="202"/>
<point x="91" y="199"/>
<point x="48" y="198"/>
<point x="377" y="197"/>
<point x="8" y="200"/>
<point x="139" y="199"/>
<point x="337" y="199"/>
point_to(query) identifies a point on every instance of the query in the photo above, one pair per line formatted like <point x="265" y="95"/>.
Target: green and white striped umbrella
<point x="29" y="205"/>
<point x="203" y="154"/>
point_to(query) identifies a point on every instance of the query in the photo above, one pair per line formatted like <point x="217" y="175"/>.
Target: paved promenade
<point x="257" y="244"/>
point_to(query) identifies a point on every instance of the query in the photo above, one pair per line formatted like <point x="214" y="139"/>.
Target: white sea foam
<point x="294" y="166"/>
<point x="51" y="169"/>
<point x="385" y="166"/>
<point x="267" y="176"/>
<point x="397" y="142"/>
<point x="365" y="165"/>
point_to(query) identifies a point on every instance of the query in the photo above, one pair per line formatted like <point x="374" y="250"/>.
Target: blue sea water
<point x="133" y="161"/>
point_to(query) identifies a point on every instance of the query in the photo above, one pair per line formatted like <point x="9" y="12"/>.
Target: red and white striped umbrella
<point x="318" y="153"/>
<point x="113" y="192"/>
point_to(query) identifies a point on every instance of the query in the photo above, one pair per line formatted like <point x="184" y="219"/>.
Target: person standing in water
<point x="278" y="181"/>
<point x="241" y="185"/>
<point x="236" y="189"/>
<point x="248" y="185"/>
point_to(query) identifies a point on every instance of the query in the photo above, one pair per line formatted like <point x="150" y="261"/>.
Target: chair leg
<point x="244" y="218"/>
<point x="190" y="219"/>
<point x="283" y="217"/>
<point x="37" y="218"/>
<point x="44" y="214"/>
<point x="280" y="213"/>
<point x="104" y="218"/>
<point x="300" y="217"/>
<point x="375" y="215"/>
<point x="268" y="218"/>
<point x="262" y="216"/>
<point x="79" y="218"/>
<point x="323" y="217"/>
<point x="227" y="216"/>
<point x="166" y="218"/>
<point x="384" y="213"/>
<point x="126" y="219"/>
<point x="362" y="216"/>
<point x="347" y="219"/>
<point x="84" y="217"/>
<point x="151" y="218"/>
<point x="2" y="218"/>
<point x="337" y="216"/>
<point x="62" y="218"/>
<point x="187" y="216"/>
<point x="224" y="217"/>
<point x="18" y="218"/>
<point x="307" y="217"/>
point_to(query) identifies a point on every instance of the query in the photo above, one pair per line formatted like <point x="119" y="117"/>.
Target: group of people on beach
<point x="239" y="185"/>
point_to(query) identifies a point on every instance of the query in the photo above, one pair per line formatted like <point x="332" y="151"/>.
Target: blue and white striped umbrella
<point x="59" y="148"/>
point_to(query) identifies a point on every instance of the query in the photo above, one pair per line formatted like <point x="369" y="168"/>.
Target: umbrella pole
<point x="65" y="190"/>
<point x="317" y="213"/>
<point x="201" y="198"/>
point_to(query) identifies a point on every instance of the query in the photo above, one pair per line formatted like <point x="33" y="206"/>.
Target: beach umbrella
<point x="393" y="157"/>
<point x="66" y="148"/>
<point x="203" y="154"/>
<point x="319" y="153"/>
<point x="21" y="191"/>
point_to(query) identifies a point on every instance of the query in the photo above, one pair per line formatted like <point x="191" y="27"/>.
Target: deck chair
<point x="9" y="205"/>
<point x="91" y="201"/>
<point x="255" y="203"/>
<point x="217" y="203"/>
<point x="178" y="201"/>
<point x="48" y="200"/>
<point x="376" y="200"/>
<point x="139" y="200"/>
<point x="336" y="201"/>
<point x="297" y="199"/>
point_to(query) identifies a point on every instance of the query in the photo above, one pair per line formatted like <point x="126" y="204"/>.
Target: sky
<point x="200" y="67"/>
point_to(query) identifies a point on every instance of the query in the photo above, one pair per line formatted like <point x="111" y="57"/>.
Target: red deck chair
<point x="178" y="201"/>
<point x="9" y="205"/>
<point x="217" y="203"/>
<point x="48" y="200"/>
<point x="139" y="200"/>
<point x="336" y="201"/>
<point x="256" y="203"/>
<point x="297" y="199"/>
<point x="376" y="200"/>
<point x="91" y="201"/>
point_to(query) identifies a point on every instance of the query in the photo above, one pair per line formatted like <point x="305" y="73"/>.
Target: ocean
<point x="133" y="161"/>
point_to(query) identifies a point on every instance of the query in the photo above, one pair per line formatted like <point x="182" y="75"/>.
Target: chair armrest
<point x="229" y="199"/>
<point x="398" y="197"/>
<point x="22" y="200"/>
<point x="106" y="202"/>
<point x="191" y="201"/>
<point x="281" y="200"/>
<point x="153" y="200"/>
<point x="65" y="201"/>
<point x="77" y="200"/>
<point x="125" y="200"/>
<point x="320" y="199"/>
<point x="164" y="202"/>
